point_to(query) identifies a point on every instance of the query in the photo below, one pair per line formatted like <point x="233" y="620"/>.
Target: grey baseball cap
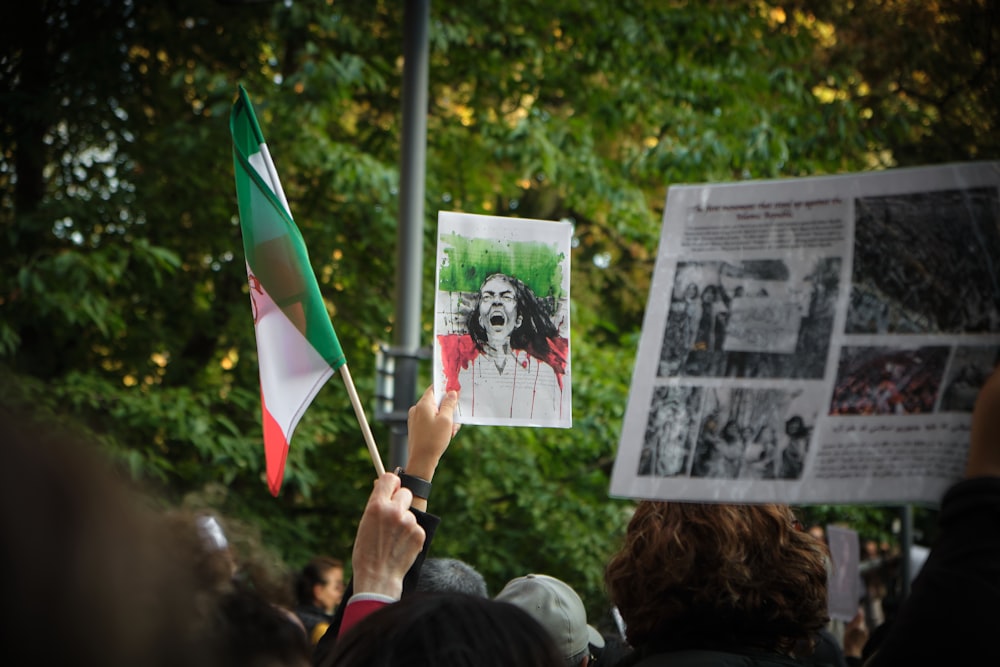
<point x="557" y="607"/>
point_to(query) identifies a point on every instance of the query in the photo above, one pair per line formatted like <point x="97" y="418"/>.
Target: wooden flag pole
<point x="359" y="411"/>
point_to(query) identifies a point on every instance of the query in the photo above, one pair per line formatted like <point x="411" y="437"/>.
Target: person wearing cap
<point x="559" y="609"/>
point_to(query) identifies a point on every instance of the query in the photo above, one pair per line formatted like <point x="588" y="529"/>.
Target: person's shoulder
<point x="310" y="615"/>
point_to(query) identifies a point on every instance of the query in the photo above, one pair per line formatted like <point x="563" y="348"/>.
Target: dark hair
<point x="446" y="630"/>
<point x="536" y="319"/>
<point x="312" y="573"/>
<point x="796" y="427"/>
<point x="92" y="573"/>
<point x="249" y="631"/>
<point x="717" y="576"/>
<point x="449" y="575"/>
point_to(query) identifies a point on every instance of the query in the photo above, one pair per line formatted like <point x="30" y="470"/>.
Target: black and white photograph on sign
<point x="888" y="380"/>
<point x="717" y="433"/>
<point x="670" y="433"/>
<point x="750" y="319"/>
<point x="926" y="262"/>
<point x="967" y="371"/>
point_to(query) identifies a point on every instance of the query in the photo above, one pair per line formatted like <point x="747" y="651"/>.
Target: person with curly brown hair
<point x="717" y="584"/>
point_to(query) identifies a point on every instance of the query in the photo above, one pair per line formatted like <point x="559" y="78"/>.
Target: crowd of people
<point x="94" y="575"/>
<point x="906" y="259"/>
<point x="743" y="452"/>
<point x="879" y="381"/>
<point x="700" y="319"/>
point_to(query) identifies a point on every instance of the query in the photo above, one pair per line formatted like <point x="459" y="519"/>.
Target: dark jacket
<point x="951" y="615"/>
<point x="706" y="658"/>
<point x="313" y="617"/>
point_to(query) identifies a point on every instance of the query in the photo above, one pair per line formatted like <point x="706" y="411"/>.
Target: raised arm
<point x="388" y="540"/>
<point x="430" y="429"/>
<point x="377" y="577"/>
<point x="388" y="543"/>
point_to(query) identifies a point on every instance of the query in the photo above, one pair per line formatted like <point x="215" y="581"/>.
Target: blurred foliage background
<point x="123" y="296"/>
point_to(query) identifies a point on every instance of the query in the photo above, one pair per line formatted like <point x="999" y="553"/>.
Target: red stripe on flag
<point x="275" y="449"/>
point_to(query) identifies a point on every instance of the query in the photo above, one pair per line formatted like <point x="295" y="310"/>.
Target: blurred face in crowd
<point x="328" y="594"/>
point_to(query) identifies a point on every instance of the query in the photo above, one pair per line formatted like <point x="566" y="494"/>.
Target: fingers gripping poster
<point x="502" y="319"/>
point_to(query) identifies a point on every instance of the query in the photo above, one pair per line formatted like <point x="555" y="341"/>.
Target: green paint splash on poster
<point x="469" y="260"/>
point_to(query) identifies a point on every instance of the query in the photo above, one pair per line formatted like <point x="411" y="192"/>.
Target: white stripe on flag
<point x="291" y="370"/>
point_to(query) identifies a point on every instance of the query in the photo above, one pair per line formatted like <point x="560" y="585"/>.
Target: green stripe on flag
<point x="275" y="250"/>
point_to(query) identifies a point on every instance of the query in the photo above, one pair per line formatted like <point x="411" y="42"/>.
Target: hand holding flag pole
<point x="297" y="347"/>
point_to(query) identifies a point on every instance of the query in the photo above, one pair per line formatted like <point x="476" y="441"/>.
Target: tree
<point x="922" y="77"/>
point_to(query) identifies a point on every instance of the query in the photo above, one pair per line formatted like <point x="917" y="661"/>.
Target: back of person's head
<point x="93" y="574"/>
<point x="718" y="576"/>
<point x="446" y="630"/>
<point x="559" y="609"/>
<point x="88" y="573"/>
<point x="249" y="631"/>
<point x="450" y="575"/>
<point x="201" y="540"/>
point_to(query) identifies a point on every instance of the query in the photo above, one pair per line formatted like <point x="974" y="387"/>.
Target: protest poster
<point x="844" y="585"/>
<point x="816" y="340"/>
<point x="502" y="319"/>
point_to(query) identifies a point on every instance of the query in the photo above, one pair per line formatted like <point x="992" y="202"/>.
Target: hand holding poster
<point x="816" y="340"/>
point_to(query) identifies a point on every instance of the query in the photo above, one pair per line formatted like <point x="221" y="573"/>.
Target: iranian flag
<point x="297" y="348"/>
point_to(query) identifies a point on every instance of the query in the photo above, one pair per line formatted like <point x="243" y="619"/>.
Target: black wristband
<point x="420" y="488"/>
